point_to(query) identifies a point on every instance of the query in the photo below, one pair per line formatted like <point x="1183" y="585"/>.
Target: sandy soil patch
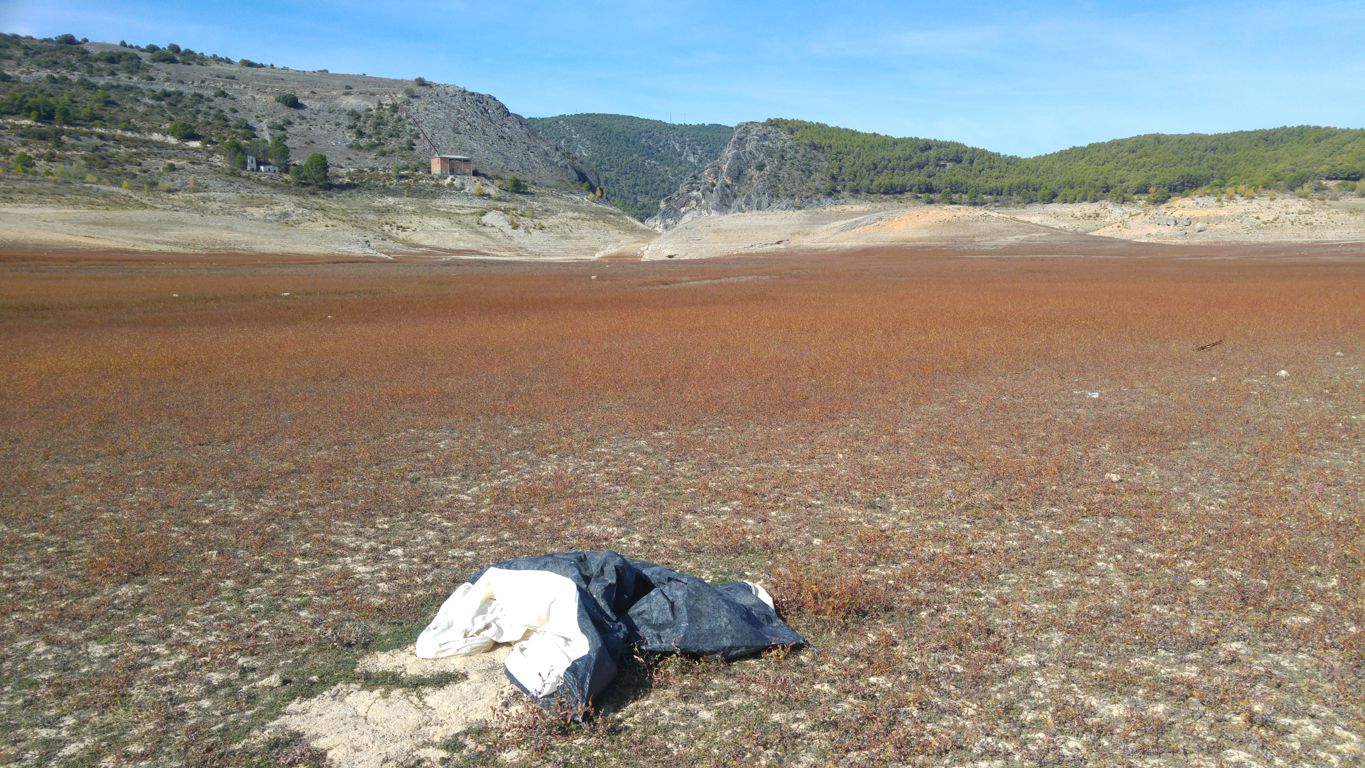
<point x="943" y="224"/>
<point x="362" y="727"/>
<point x="1207" y="220"/>
<point x="709" y="236"/>
<point x="545" y="226"/>
<point x="1075" y="217"/>
<point x="843" y="227"/>
<point x="23" y="227"/>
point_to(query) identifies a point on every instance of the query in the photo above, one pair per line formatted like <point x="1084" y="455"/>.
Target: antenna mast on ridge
<point x="416" y="124"/>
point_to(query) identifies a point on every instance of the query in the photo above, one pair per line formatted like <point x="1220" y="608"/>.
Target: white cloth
<point x="536" y="610"/>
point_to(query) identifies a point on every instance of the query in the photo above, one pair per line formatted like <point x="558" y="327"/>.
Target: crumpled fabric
<point x="572" y="615"/>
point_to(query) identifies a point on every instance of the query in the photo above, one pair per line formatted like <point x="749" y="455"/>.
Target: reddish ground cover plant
<point x="224" y="480"/>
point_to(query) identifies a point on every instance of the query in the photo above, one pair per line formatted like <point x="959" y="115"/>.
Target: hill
<point x="640" y="161"/>
<point x="1161" y="165"/>
<point x="82" y="108"/>
<point x="782" y="164"/>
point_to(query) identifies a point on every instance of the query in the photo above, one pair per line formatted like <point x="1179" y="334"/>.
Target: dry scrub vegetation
<point x="224" y="483"/>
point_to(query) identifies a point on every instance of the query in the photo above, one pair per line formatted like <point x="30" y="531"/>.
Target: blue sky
<point x="1016" y="77"/>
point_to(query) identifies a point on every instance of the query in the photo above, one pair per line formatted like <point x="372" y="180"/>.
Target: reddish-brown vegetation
<point x="216" y="472"/>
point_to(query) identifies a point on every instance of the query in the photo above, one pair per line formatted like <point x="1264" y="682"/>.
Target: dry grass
<point x="204" y="489"/>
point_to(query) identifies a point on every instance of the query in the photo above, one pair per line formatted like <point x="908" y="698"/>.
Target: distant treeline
<point x="1153" y="166"/>
<point x="639" y="161"/>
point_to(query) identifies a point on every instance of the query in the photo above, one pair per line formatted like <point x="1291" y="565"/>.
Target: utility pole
<point x="398" y="103"/>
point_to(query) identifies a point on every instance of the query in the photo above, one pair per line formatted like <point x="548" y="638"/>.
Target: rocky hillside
<point x="761" y="168"/>
<point x="60" y="94"/>
<point x="466" y="123"/>
<point x="790" y="164"/>
<point x="640" y="161"/>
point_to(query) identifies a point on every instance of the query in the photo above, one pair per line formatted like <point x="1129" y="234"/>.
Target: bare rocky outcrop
<point x="462" y="122"/>
<point x="761" y="169"/>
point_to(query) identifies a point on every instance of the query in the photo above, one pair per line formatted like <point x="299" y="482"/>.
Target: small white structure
<point x="255" y="166"/>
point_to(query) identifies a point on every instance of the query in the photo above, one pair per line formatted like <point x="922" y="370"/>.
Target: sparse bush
<point x="840" y="592"/>
<point x="23" y="162"/>
<point x="181" y="130"/>
<point x="290" y="100"/>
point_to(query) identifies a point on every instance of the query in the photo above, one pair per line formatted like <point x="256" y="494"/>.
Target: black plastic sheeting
<point x="624" y="604"/>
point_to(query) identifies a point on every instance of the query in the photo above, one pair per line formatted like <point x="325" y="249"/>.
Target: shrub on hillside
<point x="289" y="100"/>
<point x="278" y="152"/>
<point x="181" y="130"/>
<point x="315" y="170"/>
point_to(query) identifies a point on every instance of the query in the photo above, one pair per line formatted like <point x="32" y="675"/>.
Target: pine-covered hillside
<point x="639" y="161"/>
<point x="784" y="163"/>
<point x="1159" y="165"/>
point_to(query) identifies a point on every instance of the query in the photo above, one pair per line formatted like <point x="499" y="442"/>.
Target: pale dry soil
<point x="1283" y="218"/>
<point x="360" y="727"/>
<point x="1197" y="220"/>
<point x="447" y="219"/>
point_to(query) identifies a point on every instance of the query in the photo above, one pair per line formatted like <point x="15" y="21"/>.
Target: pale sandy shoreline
<point x="551" y="227"/>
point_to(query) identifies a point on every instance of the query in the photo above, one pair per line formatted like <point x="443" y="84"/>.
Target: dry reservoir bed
<point x="1021" y="518"/>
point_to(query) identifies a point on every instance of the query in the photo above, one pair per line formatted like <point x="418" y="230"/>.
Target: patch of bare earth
<point x="432" y="700"/>
<point x="1209" y="220"/>
<point x="1021" y="507"/>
